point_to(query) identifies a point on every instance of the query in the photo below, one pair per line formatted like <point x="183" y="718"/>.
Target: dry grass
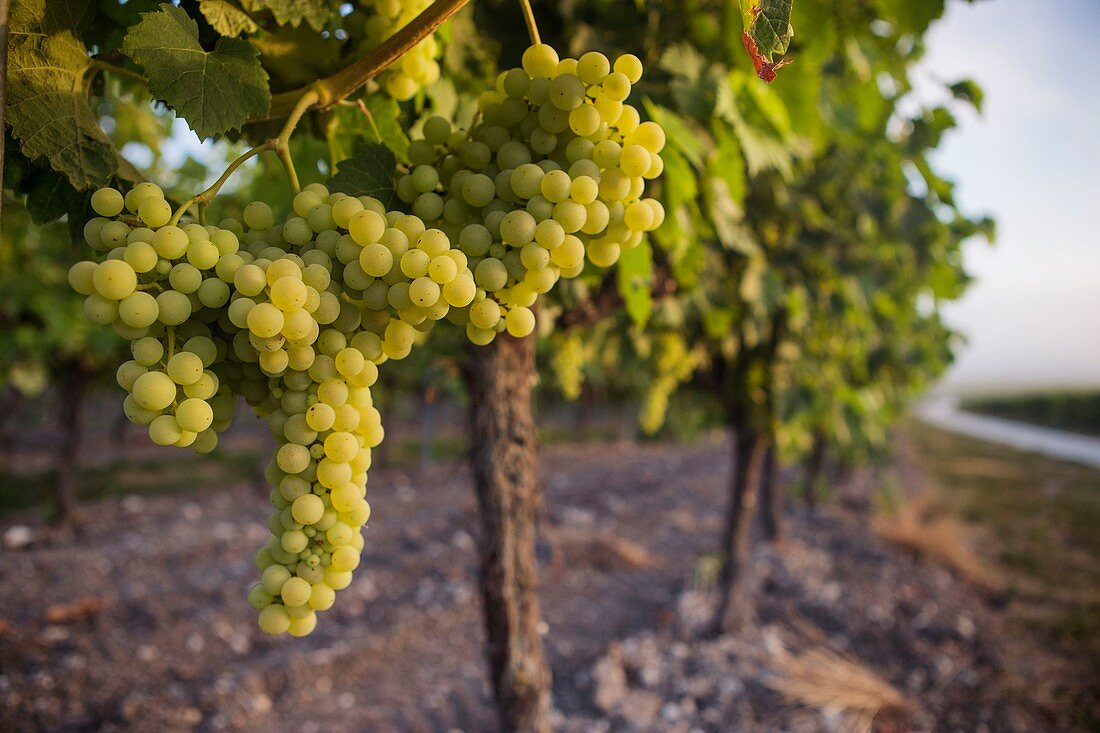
<point x="830" y="681"/>
<point x="915" y="527"/>
<point x="600" y="549"/>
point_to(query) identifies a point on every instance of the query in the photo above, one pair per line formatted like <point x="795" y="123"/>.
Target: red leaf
<point x="764" y="69"/>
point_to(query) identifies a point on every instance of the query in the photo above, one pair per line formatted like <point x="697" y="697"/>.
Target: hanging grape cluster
<point x="296" y="316"/>
<point x="553" y="173"/>
<point x="416" y="69"/>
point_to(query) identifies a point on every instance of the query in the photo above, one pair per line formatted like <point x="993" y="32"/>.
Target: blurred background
<point x="935" y="567"/>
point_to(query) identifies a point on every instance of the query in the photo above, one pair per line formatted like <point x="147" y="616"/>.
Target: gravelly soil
<point x="140" y="624"/>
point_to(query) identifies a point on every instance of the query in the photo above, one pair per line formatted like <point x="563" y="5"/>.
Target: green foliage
<point x="216" y="91"/>
<point x="47" y="89"/>
<point x="43" y="329"/>
<point x="368" y="172"/>
<point x="769" y="25"/>
<point x="1077" y="411"/>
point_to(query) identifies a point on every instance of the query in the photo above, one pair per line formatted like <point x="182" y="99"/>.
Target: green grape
<point x="82" y="277"/>
<point x="147" y="351"/>
<point x="139" y="310"/>
<point x="194" y="414"/>
<point x="185" y="278"/>
<point x="154" y="390"/>
<point x="154" y="212"/>
<point x="540" y="60"/>
<point x="170" y="242"/>
<point x="107" y="202"/>
<point x="139" y="193"/>
<point x="174" y="308"/>
<point x="114" y="279"/>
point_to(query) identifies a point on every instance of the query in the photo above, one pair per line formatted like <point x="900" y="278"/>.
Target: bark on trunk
<point x="75" y="388"/>
<point x="773" y="504"/>
<point x="815" y="469"/>
<point x="733" y="607"/>
<point x="504" y="460"/>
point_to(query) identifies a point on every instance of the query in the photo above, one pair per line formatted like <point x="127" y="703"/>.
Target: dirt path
<point x="174" y="646"/>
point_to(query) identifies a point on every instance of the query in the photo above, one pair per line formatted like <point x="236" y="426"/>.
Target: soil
<point x="140" y="622"/>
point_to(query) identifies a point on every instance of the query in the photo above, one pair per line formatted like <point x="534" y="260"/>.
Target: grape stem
<point x="332" y="89"/>
<point x="370" y="118"/>
<point x="281" y="146"/>
<point x="118" y="70"/>
<point x="282" y="143"/>
<point x="529" y="18"/>
<point x="205" y="196"/>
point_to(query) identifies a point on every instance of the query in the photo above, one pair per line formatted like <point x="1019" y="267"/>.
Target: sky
<point x="1032" y="161"/>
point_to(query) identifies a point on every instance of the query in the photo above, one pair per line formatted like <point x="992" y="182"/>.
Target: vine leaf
<point x="635" y="271"/>
<point x="215" y="91"/>
<point x="368" y="172"/>
<point x="48" y="98"/>
<point x="226" y="18"/>
<point x="377" y="121"/>
<point x="767" y="32"/>
<point x="292" y="12"/>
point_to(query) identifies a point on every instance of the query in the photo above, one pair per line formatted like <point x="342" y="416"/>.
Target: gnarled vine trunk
<point x="733" y="606"/>
<point x="772" y="499"/>
<point x="504" y="460"/>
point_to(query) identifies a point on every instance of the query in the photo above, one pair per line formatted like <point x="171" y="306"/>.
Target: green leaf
<point x="769" y="25"/>
<point x="226" y="18"/>
<point x="908" y="16"/>
<point x="369" y="172"/>
<point x="968" y="90"/>
<point x="727" y="162"/>
<point x="49" y="197"/>
<point x="634" y="273"/>
<point x="349" y="125"/>
<point x="215" y="91"/>
<point x="292" y="12"/>
<point x="48" y="106"/>
<point x="726" y="217"/>
<point x="763" y="144"/>
<point x="677" y="132"/>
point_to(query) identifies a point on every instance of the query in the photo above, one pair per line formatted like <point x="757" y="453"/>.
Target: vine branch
<point x="281" y="146"/>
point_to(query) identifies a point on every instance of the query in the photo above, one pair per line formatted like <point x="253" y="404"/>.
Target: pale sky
<point x="1032" y="160"/>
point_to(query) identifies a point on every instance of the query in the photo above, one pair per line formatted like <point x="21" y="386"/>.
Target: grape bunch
<point x="552" y="173"/>
<point x="297" y="316"/>
<point x="418" y="68"/>
<point x="292" y="322"/>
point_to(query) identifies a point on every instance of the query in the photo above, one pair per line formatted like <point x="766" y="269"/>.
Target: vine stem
<point x="281" y="146"/>
<point x="209" y="193"/>
<point x="282" y="143"/>
<point x="118" y="70"/>
<point x="529" y="18"/>
<point x="332" y="89"/>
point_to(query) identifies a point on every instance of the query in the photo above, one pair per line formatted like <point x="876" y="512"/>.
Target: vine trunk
<point x="504" y="461"/>
<point x="749" y="448"/>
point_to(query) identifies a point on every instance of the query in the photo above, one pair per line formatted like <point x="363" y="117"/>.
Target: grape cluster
<point x="296" y="316"/>
<point x="418" y="68"/>
<point x="552" y="173"/>
<point x="671" y="363"/>
<point x="296" y="322"/>
<point x="162" y="288"/>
